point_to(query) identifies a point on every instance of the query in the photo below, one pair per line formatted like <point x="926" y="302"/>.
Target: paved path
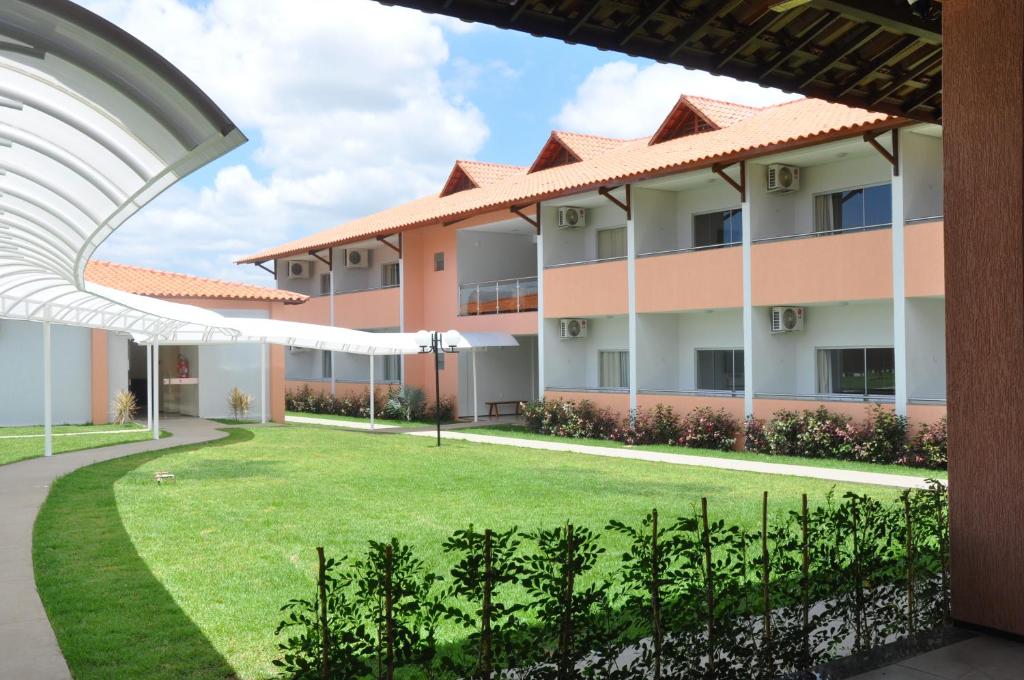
<point x="980" y="658"/>
<point x="332" y="422"/>
<point x="833" y="474"/>
<point x="28" y="647"/>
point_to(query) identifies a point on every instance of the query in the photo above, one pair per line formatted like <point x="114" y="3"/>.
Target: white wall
<point x="786" y="363"/>
<point x="489" y="256"/>
<point x="345" y="279"/>
<point x="718" y="329"/>
<point x="222" y="367"/>
<point x="658" y="351"/>
<point x="922" y="174"/>
<point x="654" y="212"/>
<point x="562" y="246"/>
<point x="574" y="363"/>
<point x="926" y="348"/>
<point x="503" y="374"/>
<point x="21" y="365"/>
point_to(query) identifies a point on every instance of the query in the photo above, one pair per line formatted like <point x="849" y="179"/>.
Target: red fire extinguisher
<point x="182" y="366"/>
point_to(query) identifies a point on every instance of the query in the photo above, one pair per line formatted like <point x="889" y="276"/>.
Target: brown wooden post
<point x="486" y="661"/>
<point x="983" y="168"/>
<point x="325" y="637"/>
<point x="909" y="538"/>
<point x="656" y="596"/>
<point x="709" y="586"/>
<point x="389" y="613"/>
<point x="766" y="630"/>
<point x="805" y="569"/>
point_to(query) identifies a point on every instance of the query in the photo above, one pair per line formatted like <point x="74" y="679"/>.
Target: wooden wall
<point x="984" y="211"/>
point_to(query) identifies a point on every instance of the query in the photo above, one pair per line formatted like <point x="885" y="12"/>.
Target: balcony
<point x="508" y="296"/>
<point x="823" y="267"/>
<point x="363" y="309"/>
<point x="586" y="289"/>
<point x="698" y="278"/>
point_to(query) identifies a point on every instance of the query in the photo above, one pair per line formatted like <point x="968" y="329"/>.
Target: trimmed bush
<point x="705" y="428"/>
<point x="755" y="435"/>
<point x="928" y="449"/>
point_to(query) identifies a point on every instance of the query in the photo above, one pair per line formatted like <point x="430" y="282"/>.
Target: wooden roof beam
<point x="642" y="20"/>
<point x="627" y="207"/>
<point x="740" y="186"/>
<point x="700" y="24"/>
<point x="750" y="35"/>
<point x="533" y="221"/>
<point x="897" y="47"/>
<point x="893" y="15"/>
<point x="836" y="54"/>
<point x="823" y="23"/>
<point x="892" y="156"/>
<point x="927" y="63"/>
<point x="389" y="244"/>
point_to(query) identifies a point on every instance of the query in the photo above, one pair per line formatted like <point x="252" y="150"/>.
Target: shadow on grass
<point x="113" y="619"/>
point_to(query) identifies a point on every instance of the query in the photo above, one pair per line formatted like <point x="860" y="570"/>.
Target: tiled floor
<point x="980" y="658"/>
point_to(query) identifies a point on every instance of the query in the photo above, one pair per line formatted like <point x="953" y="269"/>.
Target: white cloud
<point x="621" y="99"/>
<point x="344" y="102"/>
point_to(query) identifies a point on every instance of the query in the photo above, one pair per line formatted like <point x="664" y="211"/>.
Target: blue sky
<point x="352" y="107"/>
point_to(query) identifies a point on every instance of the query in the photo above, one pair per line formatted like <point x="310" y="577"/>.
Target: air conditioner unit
<point x="299" y="269"/>
<point x="570" y="218"/>
<point x="783" y="178"/>
<point x="357" y="258"/>
<point x="297" y="350"/>
<point x="570" y="329"/>
<point x="787" y="319"/>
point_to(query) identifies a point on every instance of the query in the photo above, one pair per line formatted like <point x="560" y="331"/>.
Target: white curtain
<point x="824" y="371"/>
<point x="614" y="369"/>
<point x="824" y="213"/>
<point x="611" y="243"/>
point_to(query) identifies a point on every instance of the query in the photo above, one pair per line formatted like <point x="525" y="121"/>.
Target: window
<point x="854" y="208"/>
<point x="392" y="368"/>
<point x="614" y="368"/>
<point x="611" y="243"/>
<point x="861" y="371"/>
<point x="439" y="262"/>
<point x="720" y="369"/>
<point x="389" y="275"/>
<point x="325" y="364"/>
<point x="325" y="284"/>
<point x="717" y="228"/>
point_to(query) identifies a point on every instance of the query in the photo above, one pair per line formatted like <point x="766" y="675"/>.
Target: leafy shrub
<point x="124" y="407"/>
<point x="928" y="449"/>
<point x="755" y="435"/>
<point x="782" y="433"/>
<point x="578" y="420"/>
<point x="447" y="410"/>
<point x="404" y="403"/>
<point x="705" y="428"/>
<point x="824" y="434"/>
<point x="239" y="402"/>
<point x="883" y="439"/>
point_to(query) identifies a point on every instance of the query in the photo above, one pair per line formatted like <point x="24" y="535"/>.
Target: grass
<point x="353" y="419"/>
<point x="185" y="579"/>
<point x="520" y="432"/>
<point x="22" y="448"/>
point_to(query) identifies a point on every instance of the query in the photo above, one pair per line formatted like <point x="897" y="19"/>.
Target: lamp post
<point x="436" y="343"/>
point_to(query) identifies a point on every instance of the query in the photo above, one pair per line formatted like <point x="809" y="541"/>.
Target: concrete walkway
<point x="980" y="658"/>
<point x="333" y="422"/>
<point x="28" y="647"/>
<point x="832" y="474"/>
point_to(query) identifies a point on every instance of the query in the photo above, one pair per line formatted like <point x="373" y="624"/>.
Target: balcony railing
<point x="506" y="296"/>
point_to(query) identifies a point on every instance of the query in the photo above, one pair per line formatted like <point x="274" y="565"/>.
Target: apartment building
<point x="90" y="366"/>
<point x="749" y="259"/>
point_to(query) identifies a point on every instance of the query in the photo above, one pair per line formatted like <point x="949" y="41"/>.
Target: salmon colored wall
<point x="916" y="414"/>
<point x="708" y="279"/>
<point x="684" y="403"/>
<point x="366" y="309"/>
<point x="100" y="379"/>
<point x="925" y="252"/>
<point x="823" y="269"/>
<point x="594" y="289"/>
<point x="277" y="383"/>
<point x="341" y="389"/>
<point x="616" y="401"/>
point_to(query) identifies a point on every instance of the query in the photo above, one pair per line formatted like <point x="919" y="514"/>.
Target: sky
<point x="351" y="107"/>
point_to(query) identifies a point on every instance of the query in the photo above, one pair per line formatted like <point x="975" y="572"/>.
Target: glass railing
<point x="506" y="296"/>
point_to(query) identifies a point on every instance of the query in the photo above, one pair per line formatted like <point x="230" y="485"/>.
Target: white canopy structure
<point x="93" y="125"/>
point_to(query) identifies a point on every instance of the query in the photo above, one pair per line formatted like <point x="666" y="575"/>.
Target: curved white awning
<point x="93" y="125"/>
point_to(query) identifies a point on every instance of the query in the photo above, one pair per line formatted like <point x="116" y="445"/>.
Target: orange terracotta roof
<point x="476" y="174"/>
<point x="693" y="115"/>
<point x="161" y="284"/>
<point x="571" y="147"/>
<point x="793" y="124"/>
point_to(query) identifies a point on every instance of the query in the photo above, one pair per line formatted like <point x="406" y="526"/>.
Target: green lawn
<point x="185" y="579"/>
<point x="15" y="446"/>
<point x="520" y="432"/>
<point x="353" y="419"/>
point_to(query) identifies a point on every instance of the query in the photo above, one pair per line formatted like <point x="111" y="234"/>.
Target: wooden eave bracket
<point x="389" y="244"/>
<point x="740" y="186"/>
<point x="329" y="260"/>
<point x="892" y="156"/>
<point x="534" y="221"/>
<point x="264" y="267"/>
<point x="627" y="207"/>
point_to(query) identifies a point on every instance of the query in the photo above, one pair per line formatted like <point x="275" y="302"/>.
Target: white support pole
<point x="149" y="387"/>
<point x="899" y="296"/>
<point x="330" y="276"/>
<point x="401" y="306"/>
<point x="540" y="305"/>
<point x="748" y="308"/>
<point x="631" y="319"/>
<point x="476" y="407"/>
<point x="373" y="397"/>
<point x="156" y="391"/>
<point x="263" y="382"/>
<point x="47" y="391"/>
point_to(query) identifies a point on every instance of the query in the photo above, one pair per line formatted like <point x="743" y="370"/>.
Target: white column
<point x="263" y="382"/>
<point x="373" y="397"/>
<point x="540" y="305"/>
<point x="47" y="391"/>
<point x="156" y="390"/>
<point x="149" y="387"/>
<point x="899" y="297"/>
<point x="631" y="301"/>
<point x="334" y="383"/>
<point x="748" y="309"/>
<point x="401" y="305"/>
<point x="476" y="408"/>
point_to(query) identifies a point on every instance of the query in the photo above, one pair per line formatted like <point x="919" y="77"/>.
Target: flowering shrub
<point x="928" y="449"/>
<point x="883" y="438"/>
<point x="824" y="434"/>
<point x="782" y="434"/>
<point x="577" y="420"/>
<point x="755" y="435"/>
<point x="704" y="428"/>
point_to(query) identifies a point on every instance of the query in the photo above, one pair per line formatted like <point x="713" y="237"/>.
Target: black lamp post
<point x="436" y="343"/>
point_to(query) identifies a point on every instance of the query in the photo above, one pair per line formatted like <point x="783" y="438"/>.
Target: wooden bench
<point x="494" y="407"/>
